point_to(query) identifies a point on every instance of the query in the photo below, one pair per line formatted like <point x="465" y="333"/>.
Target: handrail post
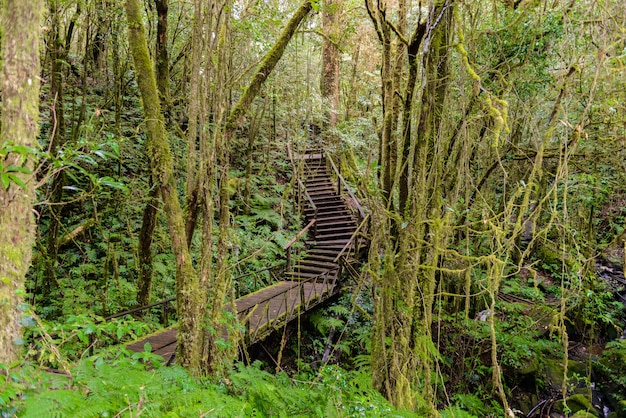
<point x="288" y="262"/>
<point x="339" y="178"/>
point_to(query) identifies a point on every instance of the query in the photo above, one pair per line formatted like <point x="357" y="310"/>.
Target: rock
<point x="580" y="402"/>
<point x="577" y="404"/>
<point x="483" y="315"/>
<point x="531" y="366"/>
<point x="583" y="414"/>
<point x="543" y="316"/>
<point x="554" y="372"/>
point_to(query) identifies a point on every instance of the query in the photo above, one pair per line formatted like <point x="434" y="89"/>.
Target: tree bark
<point x="20" y="117"/>
<point x="145" y="246"/>
<point x="162" y="53"/>
<point x="329" y="85"/>
<point x="187" y="289"/>
<point x="401" y="361"/>
<point x="57" y="56"/>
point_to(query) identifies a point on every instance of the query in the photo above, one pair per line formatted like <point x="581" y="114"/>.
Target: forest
<point x="445" y="178"/>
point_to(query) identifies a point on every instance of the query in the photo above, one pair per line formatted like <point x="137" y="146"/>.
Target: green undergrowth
<point x="121" y="384"/>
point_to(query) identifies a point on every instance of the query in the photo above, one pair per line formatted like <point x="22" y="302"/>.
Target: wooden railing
<point x="164" y="303"/>
<point x="257" y="326"/>
<point x="255" y="285"/>
<point x="302" y="188"/>
<point x="341" y="183"/>
<point x="353" y="239"/>
<point x="295" y="239"/>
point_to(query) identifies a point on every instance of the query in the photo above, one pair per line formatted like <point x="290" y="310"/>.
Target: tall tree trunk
<point x="402" y="347"/>
<point x="407" y="117"/>
<point x="150" y="211"/>
<point x="57" y="57"/>
<point x="20" y="117"/>
<point x="146" y="234"/>
<point x="162" y="53"/>
<point x="329" y="85"/>
<point x="195" y="114"/>
<point x="378" y="14"/>
<point x="187" y="289"/>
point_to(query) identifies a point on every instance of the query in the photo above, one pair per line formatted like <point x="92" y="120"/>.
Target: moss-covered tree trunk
<point x="187" y="289"/>
<point x="57" y="57"/>
<point x="329" y="85"/>
<point x="148" y="223"/>
<point x="149" y="216"/>
<point x="386" y="156"/>
<point x="20" y="116"/>
<point x="402" y="347"/>
<point x="162" y="53"/>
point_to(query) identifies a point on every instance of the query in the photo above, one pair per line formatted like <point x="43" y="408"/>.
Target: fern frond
<point x="53" y="404"/>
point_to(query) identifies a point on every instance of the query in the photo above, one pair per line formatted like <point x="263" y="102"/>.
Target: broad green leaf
<point x="4" y="177"/>
<point x="17" y="180"/>
<point x="17" y="169"/>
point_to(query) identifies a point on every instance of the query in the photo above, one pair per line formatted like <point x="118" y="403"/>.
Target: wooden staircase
<point x="332" y="248"/>
<point x="334" y="225"/>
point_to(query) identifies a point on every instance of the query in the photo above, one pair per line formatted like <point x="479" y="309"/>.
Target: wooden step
<point x="318" y="184"/>
<point x="319" y="167"/>
<point x="303" y="268"/>
<point x="316" y="176"/>
<point x="325" y="196"/>
<point x="316" y="162"/>
<point x="346" y="235"/>
<point x="306" y="261"/>
<point x="324" y="212"/>
<point x="326" y="229"/>
<point x="321" y="252"/>
<point x="329" y="220"/>
<point x="311" y="176"/>
<point x="296" y="275"/>
<point x="330" y="190"/>
<point x="321" y="190"/>
<point x="329" y="242"/>
<point x="332" y="201"/>
<point x="330" y="207"/>
<point x="332" y="244"/>
<point x="317" y="258"/>
<point x="336" y="219"/>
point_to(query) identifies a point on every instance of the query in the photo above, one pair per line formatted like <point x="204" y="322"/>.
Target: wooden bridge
<point x="333" y="243"/>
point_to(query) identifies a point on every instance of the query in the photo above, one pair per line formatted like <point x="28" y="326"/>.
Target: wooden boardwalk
<point x="332" y="243"/>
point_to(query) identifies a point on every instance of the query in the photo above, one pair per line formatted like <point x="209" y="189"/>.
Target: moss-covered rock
<point x="530" y="367"/>
<point x="554" y="372"/>
<point x="578" y="403"/>
<point x="543" y="316"/>
<point x="583" y="414"/>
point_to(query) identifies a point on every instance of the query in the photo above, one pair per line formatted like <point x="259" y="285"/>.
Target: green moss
<point x="531" y="366"/>
<point x="584" y="414"/>
<point x="579" y="405"/>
